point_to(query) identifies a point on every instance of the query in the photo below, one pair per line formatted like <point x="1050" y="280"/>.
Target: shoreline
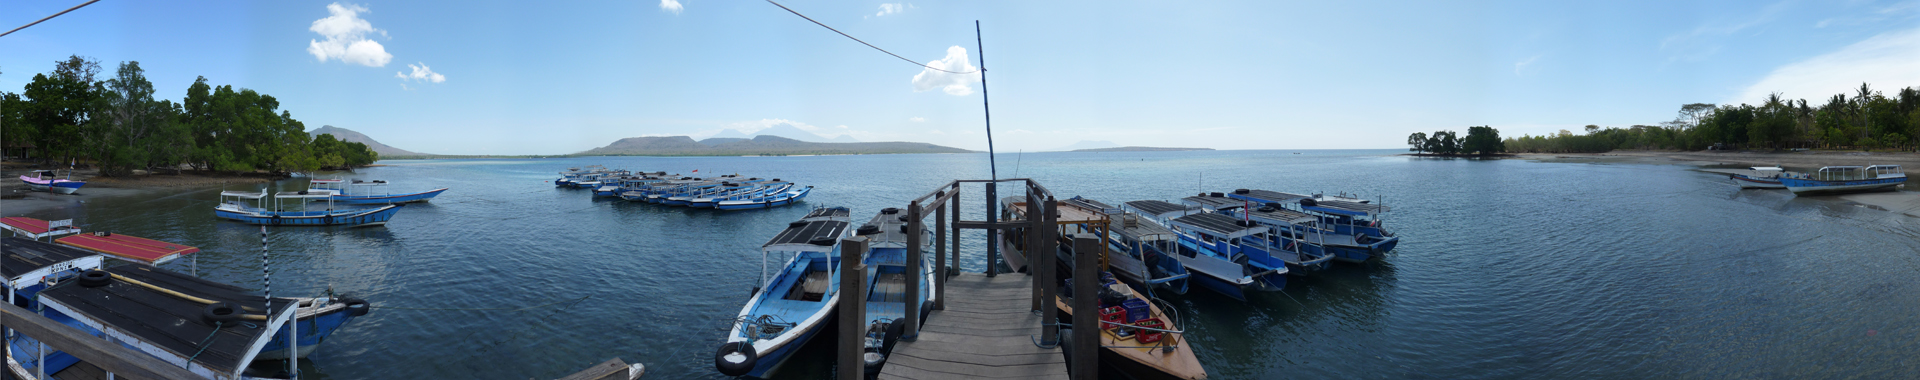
<point x="1902" y="201"/>
<point x="18" y="200"/>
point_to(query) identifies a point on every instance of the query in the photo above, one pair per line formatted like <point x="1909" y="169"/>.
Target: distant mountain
<point x="711" y="141"/>
<point x="349" y="135"/>
<point x="1139" y="149"/>
<point x="1086" y="144"/>
<point x="783" y="130"/>
<point x="760" y="145"/>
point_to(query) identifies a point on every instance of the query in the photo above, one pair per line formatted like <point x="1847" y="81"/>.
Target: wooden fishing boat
<point x="1140" y="352"/>
<point x="359" y="192"/>
<point x="887" y="278"/>
<point x="790" y="306"/>
<point x="1761" y="177"/>
<point x="233" y="206"/>
<point x="1846" y="179"/>
<point x="46" y="180"/>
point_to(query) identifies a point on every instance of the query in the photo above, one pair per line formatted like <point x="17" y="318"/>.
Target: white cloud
<point x="1520" y="67"/>
<point x="346" y="37"/>
<point x="421" y="73"/>
<point x="887" y="9"/>
<point x="1886" y="61"/>
<point x="952" y="84"/>
<point x="671" y="6"/>
<point x="918" y="119"/>
<point x="1705" y="40"/>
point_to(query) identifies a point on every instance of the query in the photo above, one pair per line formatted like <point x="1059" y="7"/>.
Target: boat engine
<point x="881" y="335"/>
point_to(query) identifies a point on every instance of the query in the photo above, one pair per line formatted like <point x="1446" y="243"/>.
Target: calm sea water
<point x="1507" y="268"/>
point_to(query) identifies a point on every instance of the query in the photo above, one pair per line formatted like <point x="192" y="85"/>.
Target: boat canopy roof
<point x="128" y="247"/>
<point x="303" y="195"/>
<point x="172" y="324"/>
<point x="1280" y="216"/>
<point x="26" y="261"/>
<point x="829" y="213"/>
<point x="889" y="230"/>
<point x="1211" y="202"/>
<point x="1220" y="226"/>
<point x="1768" y="169"/>
<point x="808" y="236"/>
<point x="1159" y="209"/>
<point x="1349" y="208"/>
<point x="37" y="228"/>
<point x="1883" y="167"/>
<point x="244" y="194"/>
<point x="1841" y="168"/>
<point x="1267" y="196"/>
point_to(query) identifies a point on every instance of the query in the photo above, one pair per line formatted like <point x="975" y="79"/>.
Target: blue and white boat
<point x="1845" y="179"/>
<point x="887" y="275"/>
<point x="1762" y="177"/>
<point x="739" y="192"/>
<point x="361" y="192"/>
<point x="790" y="306"/>
<point x="1295" y="237"/>
<point x="793" y="194"/>
<point x="1208" y="246"/>
<point x="266" y="211"/>
<point x="1142" y="245"/>
<point x="46" y="180"/>
<point x="1350" y="228"/>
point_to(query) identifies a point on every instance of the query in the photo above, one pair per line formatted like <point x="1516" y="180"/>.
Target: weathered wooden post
<point x="993" y="234"/>
<point x="1086" y="308"/>
<point x="1036" y="260"/>
<point x="940" y="254"/>
<point x="956" y="230"/>
<point x="1049" y="245"/>
<point x="853" y="309"/>
<point x="915" y="279"/>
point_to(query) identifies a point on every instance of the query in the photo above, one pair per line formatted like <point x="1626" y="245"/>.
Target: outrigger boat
<point x="791" y="306"/>
<point x="1845" y="179"/>
<point x="1352" y="228"/>
<point x="233" y="206"/>
<point x="1205" y="246"/>
<point x="887" y="277"/>
<point x="792" y="194"/>
<point x="1142" y="262"/>
<point x="359" y="192"/>
<point x="45" y="180"/>
<point x="1762" y="177"/>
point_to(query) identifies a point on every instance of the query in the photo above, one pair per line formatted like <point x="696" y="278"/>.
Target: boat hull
<point x="386" y="199"/>
<point x="1815" y="187"/>
<point x="312" y="331"/>
<point x="772" y="201"/>
<point x="355" y="218"/>
<point x="1748" y="182"/>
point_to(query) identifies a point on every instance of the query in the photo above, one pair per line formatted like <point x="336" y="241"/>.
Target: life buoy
<point x="95" y="278"/>
<point x="220" y="312"/>
<point x="735" y="358"/>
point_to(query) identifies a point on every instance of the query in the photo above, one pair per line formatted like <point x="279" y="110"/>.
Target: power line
<point x="795" y="13"/>
<point x="89" y="2"/>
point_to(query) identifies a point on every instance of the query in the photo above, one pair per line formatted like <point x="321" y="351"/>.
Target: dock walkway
<point x="986" y="332"/>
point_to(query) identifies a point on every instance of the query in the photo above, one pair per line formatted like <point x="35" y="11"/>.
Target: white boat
<point x="1762" y="177"/>
<point x="1845" y="179"/>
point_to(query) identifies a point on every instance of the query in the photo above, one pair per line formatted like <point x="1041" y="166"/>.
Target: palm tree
<point x="1861" y="101"/>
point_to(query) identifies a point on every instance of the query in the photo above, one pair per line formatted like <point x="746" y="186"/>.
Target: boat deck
<point x="126" y="247"/>
<point x="986" y="332"/>
<point x="171" y="323"/>
<point x="23" y="257"/>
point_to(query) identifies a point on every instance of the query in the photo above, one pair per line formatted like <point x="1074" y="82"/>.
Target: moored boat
<point x="887" y="278"/>
<point x="1845" y="179"/>
<point x="790" y="306"/>
<point x="233" y="206"/>
<point x="47" y="180"/>
<point x="360" y="192"/>
<point x="793" y="194"/>
<point x="1137" y="337"/>
<point x="1761" y="177"/>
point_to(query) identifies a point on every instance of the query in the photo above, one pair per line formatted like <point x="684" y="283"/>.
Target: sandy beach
<point x="1905" y="201"/>
<point x="16" y="199"/>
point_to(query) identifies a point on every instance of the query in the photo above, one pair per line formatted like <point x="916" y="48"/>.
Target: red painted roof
<point x="30" y="225"/>
<point x="128" y="247"/>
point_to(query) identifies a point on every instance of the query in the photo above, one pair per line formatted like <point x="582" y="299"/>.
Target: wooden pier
<point x="991" y="325"/>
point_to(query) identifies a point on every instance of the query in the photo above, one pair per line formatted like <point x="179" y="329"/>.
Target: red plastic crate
<point x="1149" y="336"/>
<point x="1113" y="314"/>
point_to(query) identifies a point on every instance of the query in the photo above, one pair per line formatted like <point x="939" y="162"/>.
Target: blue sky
<point x="547" y="78"/>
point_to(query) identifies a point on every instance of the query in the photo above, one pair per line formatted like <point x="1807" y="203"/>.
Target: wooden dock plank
<point x="986" y="331"/>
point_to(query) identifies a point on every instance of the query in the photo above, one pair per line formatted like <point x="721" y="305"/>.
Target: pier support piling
<point x="853" y="306"/>
<point x="1086" y="305"/>
<point x="915" y="277"/>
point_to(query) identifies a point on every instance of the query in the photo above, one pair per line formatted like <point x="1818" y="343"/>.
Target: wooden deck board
<point x="986" y="331"/>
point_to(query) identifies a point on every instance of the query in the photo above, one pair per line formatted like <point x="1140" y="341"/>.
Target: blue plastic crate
<point x="1137" y="310"/>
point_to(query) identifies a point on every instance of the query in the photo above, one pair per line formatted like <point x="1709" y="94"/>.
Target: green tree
<point x="1417" y="142"/>
<point x="1483" y="140"/>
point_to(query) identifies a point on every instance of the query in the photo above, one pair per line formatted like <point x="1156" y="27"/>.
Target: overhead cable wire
<point x="797" y="13"/>
<point x="90" y="2"/>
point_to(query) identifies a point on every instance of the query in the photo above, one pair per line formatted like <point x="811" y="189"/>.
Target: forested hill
<point x="760" y="145"/>
<point x="348" y="135"/>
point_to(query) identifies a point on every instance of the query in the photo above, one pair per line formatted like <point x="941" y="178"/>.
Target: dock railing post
<point x="915" y="279"/>
<point x="993" y="234"/>
<point x="1036" y="257"/>
<point x="1049" y="291"/>
<point x="956" y="230"/>
<point x="1086" y="308"/>
<point x="940" y="257"/>
<point x="853" y="306"/>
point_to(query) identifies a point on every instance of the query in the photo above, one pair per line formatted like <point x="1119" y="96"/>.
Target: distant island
<point x="1138" y="149"/>
<point x="762" y="145"/>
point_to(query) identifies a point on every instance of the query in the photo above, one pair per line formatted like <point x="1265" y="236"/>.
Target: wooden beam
<point x="1049" y="311"/>
<point x="940" y="267"/>
<point x="1086" y="305"/>
<point x="956" y="229"/>
<point x="915" y="279"/>
<point x="110" y="356"/>
<point x="853" y="309"/>
<point x="980" y="225"/>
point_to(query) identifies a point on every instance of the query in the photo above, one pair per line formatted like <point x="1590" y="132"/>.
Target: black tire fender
<point x="220" y="312"/>
<point x="735" y="358"/>
<point x="357" y="307"/>
<point x="95" y="278"/>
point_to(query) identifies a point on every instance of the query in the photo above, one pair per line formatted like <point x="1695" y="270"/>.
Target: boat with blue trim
<point x="887" y="277"/>
<point x="792" y="194"/>
<point x="1351" y="228"/>
<point x="1761" y="177"/>
<point x="1207" y="246"/>
<point x="790" y="306"/>
<point x="361" y="192"/>
<point x="48" y="181"/>
<point x="1845" y="179"/>
<point x="266" y="210"/>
